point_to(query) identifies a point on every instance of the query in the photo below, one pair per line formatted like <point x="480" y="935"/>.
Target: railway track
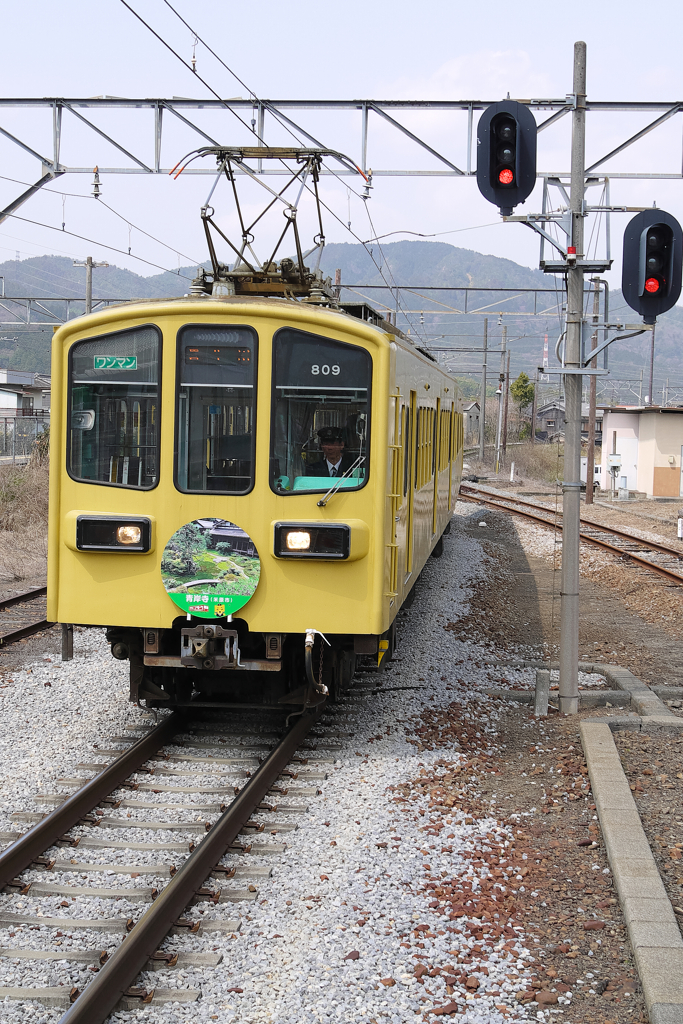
<point x="238" y="763"/>
<point x="661" y="559"/>
<point x="23" y="615"/>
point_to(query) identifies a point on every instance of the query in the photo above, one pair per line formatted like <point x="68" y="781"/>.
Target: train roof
<point x="354" y="319"/>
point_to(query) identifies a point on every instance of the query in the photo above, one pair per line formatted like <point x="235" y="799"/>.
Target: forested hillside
<point x="408" y="263"/>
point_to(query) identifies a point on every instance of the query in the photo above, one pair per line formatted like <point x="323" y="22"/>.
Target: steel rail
<point x="28" y="595"/>
<point x="588" y="538"/>
<point x="33" y="627"/>
<point x="653" y="544"/>
<point x="20" y="855"/>
<point x="24" y="631"/>
<point x="100" y="998"/>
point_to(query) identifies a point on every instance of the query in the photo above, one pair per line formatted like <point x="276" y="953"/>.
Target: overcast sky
<point x="378" y="50"/>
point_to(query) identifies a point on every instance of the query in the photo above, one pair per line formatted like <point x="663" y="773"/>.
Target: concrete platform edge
<point x="660" y="968"/>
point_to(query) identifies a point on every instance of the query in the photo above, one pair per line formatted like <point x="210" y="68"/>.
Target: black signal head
<point x="506" y="154"/>
<point x="653" y="258"/>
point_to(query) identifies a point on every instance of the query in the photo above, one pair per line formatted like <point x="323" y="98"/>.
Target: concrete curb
<point x="655" y="715"/>
<point x="652" y="927"/>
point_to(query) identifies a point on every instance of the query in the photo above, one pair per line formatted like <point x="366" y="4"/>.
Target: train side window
<point x="114" y="402"/>
<point x="215" y="436"/>
<point x="321" y="393"/>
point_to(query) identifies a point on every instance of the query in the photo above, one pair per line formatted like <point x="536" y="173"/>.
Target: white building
<point x="649" y="441"/>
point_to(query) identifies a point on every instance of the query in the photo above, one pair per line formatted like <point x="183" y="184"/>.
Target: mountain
<point x="408" y="263"/>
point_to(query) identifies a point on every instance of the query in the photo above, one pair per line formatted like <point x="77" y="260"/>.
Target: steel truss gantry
<point x="271" y="116"/>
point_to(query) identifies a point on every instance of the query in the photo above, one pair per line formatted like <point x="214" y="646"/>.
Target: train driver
<point x="335" y="461"/>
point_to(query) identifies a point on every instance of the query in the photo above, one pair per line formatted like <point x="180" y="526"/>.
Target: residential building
<point x="649" y="441"/>
<point x="471" y="414"/>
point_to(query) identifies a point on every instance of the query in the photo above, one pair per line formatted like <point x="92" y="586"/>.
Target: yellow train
<point x="244" y="490"/>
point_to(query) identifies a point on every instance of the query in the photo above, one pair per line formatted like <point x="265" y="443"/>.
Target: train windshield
<point x="114" y="409"/>
<point x="321" y="413"/>
<point x="215" y="411"/>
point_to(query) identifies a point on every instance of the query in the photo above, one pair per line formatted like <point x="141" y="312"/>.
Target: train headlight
<point x="297" y="540"/>
<point x="307" y="540"/>
<point x="113" y="533"/>
<point x="129" y="535"/>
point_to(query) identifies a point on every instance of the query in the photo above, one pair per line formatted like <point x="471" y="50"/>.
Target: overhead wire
<point x="93" y="241"/>
<point x="101" y="202"/>
<point x="251" y="128"/>
<point x="189" y="68"/>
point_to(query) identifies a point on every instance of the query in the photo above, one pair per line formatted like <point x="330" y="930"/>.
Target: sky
<point x="371" y="50"/>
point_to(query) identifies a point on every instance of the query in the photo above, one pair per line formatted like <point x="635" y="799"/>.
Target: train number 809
<point x="325" y="370"/>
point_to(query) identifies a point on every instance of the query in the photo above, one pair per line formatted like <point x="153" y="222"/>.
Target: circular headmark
<point x="210" y="568"/>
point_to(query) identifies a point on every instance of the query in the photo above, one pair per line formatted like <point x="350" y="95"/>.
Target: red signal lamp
<point x="506" y="177"/>
<point x="652" y="285"/>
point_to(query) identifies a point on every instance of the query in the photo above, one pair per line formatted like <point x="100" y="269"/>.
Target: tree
<point x="522" y="391"/>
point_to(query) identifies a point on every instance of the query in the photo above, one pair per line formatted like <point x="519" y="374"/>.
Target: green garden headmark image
<point x="210" y="568"/>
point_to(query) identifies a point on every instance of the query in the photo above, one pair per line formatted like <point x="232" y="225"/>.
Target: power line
<point x="193" y="72"/>
<point x="435" y="234"/>
<point x="101" y="202"/>
<point x="255" y="97"/>
<point x="93" y="241"/>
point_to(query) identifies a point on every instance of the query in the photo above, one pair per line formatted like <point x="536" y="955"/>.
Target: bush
<point x="24" y="497"/>
<point x="542" y="462"/>
<point x="23" y="512"/>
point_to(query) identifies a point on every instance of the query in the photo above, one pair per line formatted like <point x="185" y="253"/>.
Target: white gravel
<point x="287" y="963"/>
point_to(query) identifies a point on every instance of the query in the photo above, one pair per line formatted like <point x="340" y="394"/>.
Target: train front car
<point x="233" y="481"/>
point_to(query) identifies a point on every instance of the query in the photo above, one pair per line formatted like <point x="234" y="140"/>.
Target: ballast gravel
<point x="336" y="931"/>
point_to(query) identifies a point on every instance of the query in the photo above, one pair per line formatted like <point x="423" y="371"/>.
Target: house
<point x="550" y="419"/>
<point x="649" y="442"/>
<point x="471" y="412"/>
<point x="24" y="393"/>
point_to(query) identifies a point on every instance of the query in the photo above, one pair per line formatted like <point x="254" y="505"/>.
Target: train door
<point x="451" y="453"/>
<point x="395" y="495"/>
<point x="410" y="479"/>
<point x="436" y="464"/>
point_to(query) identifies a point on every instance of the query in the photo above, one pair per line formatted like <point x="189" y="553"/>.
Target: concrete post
<point x="571" y="485"/>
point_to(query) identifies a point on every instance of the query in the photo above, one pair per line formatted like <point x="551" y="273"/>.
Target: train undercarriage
<point x="226" y="664"/>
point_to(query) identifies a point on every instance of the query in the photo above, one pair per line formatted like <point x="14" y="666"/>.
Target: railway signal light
<point x="506" y="154"/>
<point x="653" y="258"/>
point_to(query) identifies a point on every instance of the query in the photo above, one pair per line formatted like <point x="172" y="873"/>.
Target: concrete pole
<point x="505" y="408"/>
<point x="533" y="409"/>
<point x="592" y="401"/>
<point x="89" y="264"/>
<point x="571" y="485"/>
<point x="482" y="394"/>
<point x="503" y="343"/>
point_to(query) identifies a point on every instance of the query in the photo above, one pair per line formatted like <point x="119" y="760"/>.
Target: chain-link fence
<point x="18" y="435"/>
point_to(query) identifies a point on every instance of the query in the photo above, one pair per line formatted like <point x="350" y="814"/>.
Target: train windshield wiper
<point x="338" y="482"/>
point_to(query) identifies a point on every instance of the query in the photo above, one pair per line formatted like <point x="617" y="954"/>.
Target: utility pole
<point x="482" y="394"/>
<point x="503" y="344"/>
<point x="590" y="455"/>
<point x="505" y="409"/>
<point x="533" y="409"/>
<point x="89" y="264"/>
<point x="571" y="485"/>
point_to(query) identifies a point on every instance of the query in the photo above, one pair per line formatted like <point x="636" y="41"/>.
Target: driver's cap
<point x="331" y="435"/>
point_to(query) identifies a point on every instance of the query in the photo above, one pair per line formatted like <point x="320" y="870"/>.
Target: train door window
<point x="215" y="410"/>
<point x="113" y="427"/>
<point x="407" y="450"/>
<point x="321" y="413"/>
